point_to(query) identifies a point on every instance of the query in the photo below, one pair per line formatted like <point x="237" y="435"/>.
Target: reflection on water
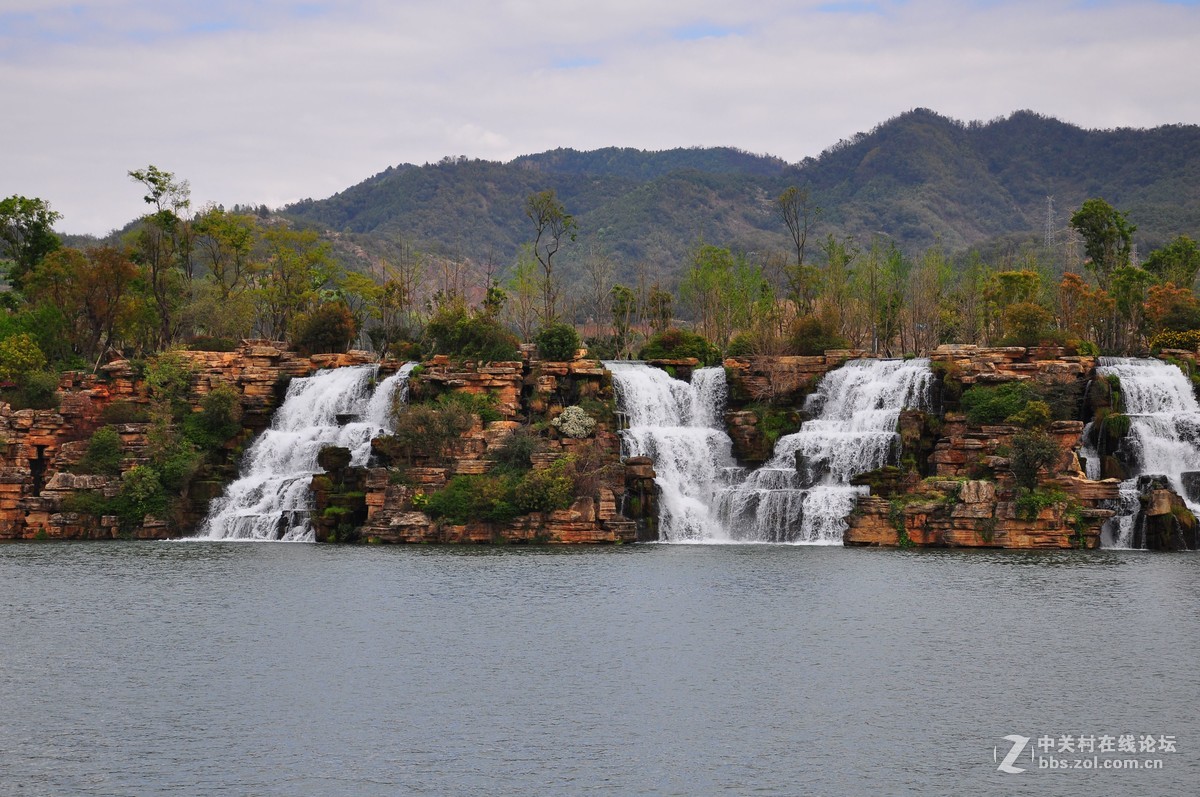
<point x="215" y="669"/>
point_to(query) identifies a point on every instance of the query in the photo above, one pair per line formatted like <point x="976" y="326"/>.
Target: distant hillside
<point x="918" y="178"/>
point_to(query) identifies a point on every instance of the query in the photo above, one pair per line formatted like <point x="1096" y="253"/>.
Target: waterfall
<point x="271" y="499"/>
<point x="803" y="494"/>
<point x="1164" y="434"/>
<point x="1089" y="453"/>
<point x="704" y="497"/>
<point x="678" y="426"/>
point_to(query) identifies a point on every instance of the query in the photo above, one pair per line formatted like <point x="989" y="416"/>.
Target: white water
<point x="857" y="408"/>
<point x="676" y="424"/>
<point x="1164" y="433"/>
<point x="1089" y="453"/>
<point x="271" y="499"/>
<point x="704" y="498"/>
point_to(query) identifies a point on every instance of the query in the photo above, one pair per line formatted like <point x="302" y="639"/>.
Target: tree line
<point x="209" y="277"/>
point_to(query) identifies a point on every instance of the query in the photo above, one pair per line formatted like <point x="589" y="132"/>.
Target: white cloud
<point x="275" y="101"/>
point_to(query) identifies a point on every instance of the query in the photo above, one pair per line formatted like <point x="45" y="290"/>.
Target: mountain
<point x="918" y="179"/>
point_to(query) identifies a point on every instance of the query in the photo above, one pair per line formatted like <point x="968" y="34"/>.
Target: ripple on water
<point x="133" y="668"/>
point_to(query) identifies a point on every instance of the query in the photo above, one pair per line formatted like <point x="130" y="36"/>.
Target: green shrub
<point x="209" y="343"/>
<point x="679" y="344"/>
<point x="481" y="404"/>
<point x="1115" y="425"/>
<point x="455" y="331"/>
<point x="178" y="467"/>
<point x="119" y="412"/>
<point x="774" y="422"/>
<point x="557" y="342"/>
<point x="1189" y="340"/>
<point x="422" y="431"/>
<point x="103" y="455"/>
<point x="489" y="498"/>
<point x="36" y="390"/>
<point x="604" y="347"/>
<point x="547" y="489"/>
<point x="141" y="494"/>
<point x="1035" y="414"/>
<point x="1028" y="324"/>
<point x="1030" y="502"/>
<point x="984" y="404"/>
<point x="218" y="420"/>
<point x="327" y="329"/>
<point x="1032" y="450"/>
<point x="48" y="326"/>
<point x="90" y="502"/>
<point x="169" y="377"/>
<point x="810" y="336"/>
<point x="499" y="497"/>
<point x="407" y="350"/>
<point x="19" y="355"/>
<point x="741" y="345"/>
<point x="516" y="455"/>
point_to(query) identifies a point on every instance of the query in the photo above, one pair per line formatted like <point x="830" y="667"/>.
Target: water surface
<point x="277" y="669"/>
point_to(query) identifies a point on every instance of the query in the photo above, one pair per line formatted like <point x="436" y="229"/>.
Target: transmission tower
<point x="1050" y="226"/>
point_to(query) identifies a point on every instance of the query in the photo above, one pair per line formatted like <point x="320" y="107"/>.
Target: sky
<point x="271" y="101"/>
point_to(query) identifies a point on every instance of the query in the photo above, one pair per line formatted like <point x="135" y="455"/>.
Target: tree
<point x="623" y="303"/>
<point x="598" y="272"/>
<point x="224" y="243"/>
<point x="880" y="284"/>
<point x="1107" y="238"/>
<point x="164" y="244"/>
<point x="1177" y="262"/>
<point x="19" y="355"/>
<point x="551" y="223"/>
<point x="971" y="314"/>
<point x="839" y="258"/>
<point x="330" y="327"/>
<point x="1169" y="308"/>
<point x="92" y="289"/>
<point x="298" y="265"/>
<point x="798" y="212"/>
<point x="926" y="289"/>
<point x="26" y="234"/>
<point x="1130" y="285"/>
<point x="523" y="290"/>
<point x="659" y="309"/>
<point x="361" y="295"/>
<point x="1032" y="450"/>
<point x="723" y="291"/>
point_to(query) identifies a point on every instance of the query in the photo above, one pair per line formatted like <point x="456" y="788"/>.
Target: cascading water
<point x="803" y="494"/>
<point x="704" y="497"/>
<point x="1164" y="434"/>
<point x="271" y="499"/>
<point x="676" y="424"/>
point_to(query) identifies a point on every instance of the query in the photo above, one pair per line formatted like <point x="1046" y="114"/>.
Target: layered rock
<point x="523" y="393"/>
<point x="39" y="448"/>
<point x="1163" y="521"/>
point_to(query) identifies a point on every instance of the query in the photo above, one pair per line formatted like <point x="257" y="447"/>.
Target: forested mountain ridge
<point x="918" y="179"/>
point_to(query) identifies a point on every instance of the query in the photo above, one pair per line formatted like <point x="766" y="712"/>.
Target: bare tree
<point x="551" y="224"/>
<point x="598" y="272"/>
<point x="798" y="212"/>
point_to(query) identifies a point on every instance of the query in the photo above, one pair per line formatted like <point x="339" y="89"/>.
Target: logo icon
<point x="1018" y="746"/>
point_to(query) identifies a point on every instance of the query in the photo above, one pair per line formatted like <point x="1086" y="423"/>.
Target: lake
<point x="293" y="669"/>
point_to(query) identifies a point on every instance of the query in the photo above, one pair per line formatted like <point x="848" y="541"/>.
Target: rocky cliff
<point x="501" y="473"/>
<point x="42" y="478"/>
<point x="955" y="484"/>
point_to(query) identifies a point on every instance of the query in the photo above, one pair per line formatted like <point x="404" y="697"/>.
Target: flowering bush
<point x="574" y="422"/>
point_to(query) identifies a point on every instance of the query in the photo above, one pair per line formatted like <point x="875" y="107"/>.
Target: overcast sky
<point x="269" y="101"/>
